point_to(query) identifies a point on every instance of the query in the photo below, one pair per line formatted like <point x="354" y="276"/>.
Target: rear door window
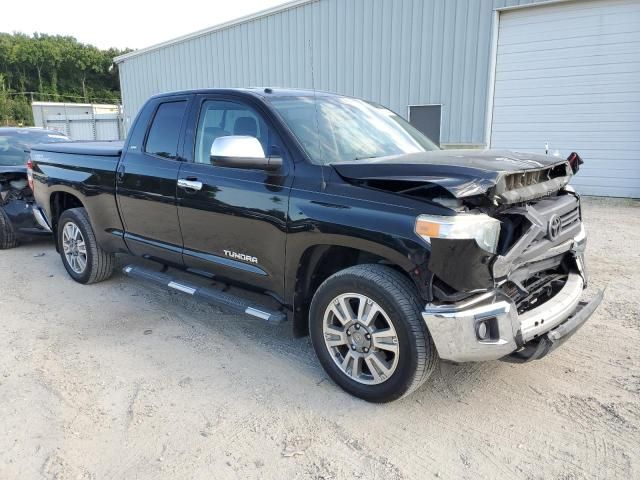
<point x="165" y="130"/>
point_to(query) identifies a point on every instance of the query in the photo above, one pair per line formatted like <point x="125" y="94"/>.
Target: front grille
<point x="567" y="207"/>
<point x="570" y="218"/>
<point x="528" y="243"/>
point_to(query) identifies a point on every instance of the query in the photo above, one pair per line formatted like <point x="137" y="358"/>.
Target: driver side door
<point x="234" y="222"/>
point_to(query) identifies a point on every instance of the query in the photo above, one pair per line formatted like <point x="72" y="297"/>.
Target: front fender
<point x="321" y="219"/>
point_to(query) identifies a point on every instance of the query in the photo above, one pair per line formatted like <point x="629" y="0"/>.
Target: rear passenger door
<point x="146" y="185"/>
<point x="235" y="224"/>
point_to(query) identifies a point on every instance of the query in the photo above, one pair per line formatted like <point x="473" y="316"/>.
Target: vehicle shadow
<point x="448" y="381"/>
<point x="36" y="241"/>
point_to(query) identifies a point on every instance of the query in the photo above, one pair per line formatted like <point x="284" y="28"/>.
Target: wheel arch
<point x="60" y="201"/>
<point x="319" y="262"/>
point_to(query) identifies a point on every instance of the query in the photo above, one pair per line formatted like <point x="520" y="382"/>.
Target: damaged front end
<point x="18" y="203"/>
<point x="511" y="292"/>
<point x="534" y="303"/>
<point x="530" y="302"/>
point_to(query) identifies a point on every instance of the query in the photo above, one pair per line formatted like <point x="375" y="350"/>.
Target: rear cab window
<point x="162" y="139"/>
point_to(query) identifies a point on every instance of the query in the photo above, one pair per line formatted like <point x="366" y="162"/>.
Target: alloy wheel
<point x="74" y="247"/>
<point x="361" y="338"/>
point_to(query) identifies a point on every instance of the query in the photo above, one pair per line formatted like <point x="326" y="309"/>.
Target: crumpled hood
<point x="463" y="173"/>
<point x="13" y="169"/>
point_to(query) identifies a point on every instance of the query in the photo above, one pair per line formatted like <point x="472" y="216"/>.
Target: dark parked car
<point x="16" y="199"/>
<point x="389" y="251"/>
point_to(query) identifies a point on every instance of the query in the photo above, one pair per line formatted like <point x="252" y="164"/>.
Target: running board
<point x="211" y="295"/>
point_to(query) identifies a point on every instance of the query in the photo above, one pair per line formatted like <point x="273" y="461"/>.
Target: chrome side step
<point x="210" y="295"/>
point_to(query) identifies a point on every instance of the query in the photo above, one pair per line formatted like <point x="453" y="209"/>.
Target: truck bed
<point x="101" y="149"/>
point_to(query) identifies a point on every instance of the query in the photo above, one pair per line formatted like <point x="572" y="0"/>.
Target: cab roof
<point x="262" y="92"/>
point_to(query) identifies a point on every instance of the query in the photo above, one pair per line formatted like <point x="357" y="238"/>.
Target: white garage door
<point x="569" y="74"/>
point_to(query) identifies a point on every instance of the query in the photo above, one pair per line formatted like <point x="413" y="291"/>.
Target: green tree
<point x="55" y="68"/>
<point x="87" y="61"/>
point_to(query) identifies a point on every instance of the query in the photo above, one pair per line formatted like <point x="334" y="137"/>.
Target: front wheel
<point x="82" y="256"/>
<point x="368" y="333"/>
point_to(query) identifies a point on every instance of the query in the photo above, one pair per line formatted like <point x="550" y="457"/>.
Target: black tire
<point x="7" y="234"/>
<point x="398" y="297"/>
<point x="99" y="263"/>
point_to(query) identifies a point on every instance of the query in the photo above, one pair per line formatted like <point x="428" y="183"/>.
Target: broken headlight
<point x="479" y="227"/>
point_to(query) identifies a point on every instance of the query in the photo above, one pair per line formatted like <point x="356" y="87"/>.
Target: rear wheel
<point x="85" y="260"/>
<point x="367" y="330"/>
<point x="7" y="234"/>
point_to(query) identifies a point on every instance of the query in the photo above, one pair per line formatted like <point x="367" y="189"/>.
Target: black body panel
<point x="100" y="149"/>
<point x="450" y="262"/>
<point x="90" y="180"/>
<point x="237" y="211"/>
<point x="146" y="194"/>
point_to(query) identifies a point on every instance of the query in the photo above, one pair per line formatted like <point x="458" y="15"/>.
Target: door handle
<point x="189" y="184"/>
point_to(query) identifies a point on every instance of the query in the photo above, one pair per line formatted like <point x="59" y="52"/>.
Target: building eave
<point x="206" y="31"/>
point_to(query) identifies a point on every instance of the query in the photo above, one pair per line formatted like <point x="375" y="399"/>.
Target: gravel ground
<point x="124" y="380"/>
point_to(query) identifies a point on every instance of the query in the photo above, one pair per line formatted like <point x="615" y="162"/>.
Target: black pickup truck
<point x="337" y="215"/>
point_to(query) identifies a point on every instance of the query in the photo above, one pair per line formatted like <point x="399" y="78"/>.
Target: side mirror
<point x="239" y="151"/>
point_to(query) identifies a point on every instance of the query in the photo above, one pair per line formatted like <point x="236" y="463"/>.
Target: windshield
<point x="13" y="144"/>
<point x="339" y="129"/>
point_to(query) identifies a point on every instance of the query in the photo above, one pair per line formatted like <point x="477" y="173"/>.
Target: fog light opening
<point x="487" y="329"/>
<point x="482" y="330"/>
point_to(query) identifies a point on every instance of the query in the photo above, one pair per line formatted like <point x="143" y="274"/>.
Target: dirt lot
<point x="124" y="380"/>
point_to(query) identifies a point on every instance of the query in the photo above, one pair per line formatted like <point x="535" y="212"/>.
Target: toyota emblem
<point x="554" y="228"/>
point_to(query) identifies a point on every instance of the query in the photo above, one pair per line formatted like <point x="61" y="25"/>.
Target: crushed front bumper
<point x="23" y="218"/>
<point x="488" y="326"/>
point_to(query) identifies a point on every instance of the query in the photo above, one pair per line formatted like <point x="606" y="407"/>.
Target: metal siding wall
<point x="395" y="52"/>
<point x="568" y="74"/>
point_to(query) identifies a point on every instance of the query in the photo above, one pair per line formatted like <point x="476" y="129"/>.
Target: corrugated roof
<point x="221" y="26"/>
<point x="71" y="104"/>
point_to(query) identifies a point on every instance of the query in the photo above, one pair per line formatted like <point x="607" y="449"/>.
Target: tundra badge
<point x="241" y="256"/>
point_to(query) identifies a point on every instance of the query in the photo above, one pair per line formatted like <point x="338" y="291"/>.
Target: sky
<point x="121" y="23"/>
